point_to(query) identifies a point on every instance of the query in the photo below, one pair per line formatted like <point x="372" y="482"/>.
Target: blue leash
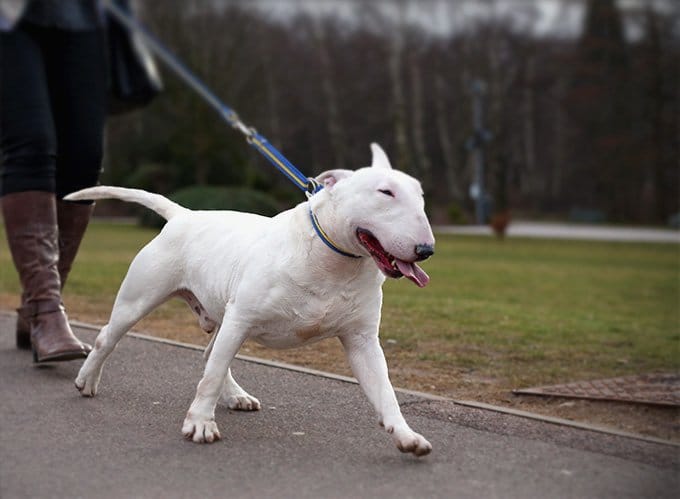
<point x="256" y="140"/>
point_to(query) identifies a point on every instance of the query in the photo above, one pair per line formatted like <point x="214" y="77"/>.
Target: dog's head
<point x="383" y="212"/>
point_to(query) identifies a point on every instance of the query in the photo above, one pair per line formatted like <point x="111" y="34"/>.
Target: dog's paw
<point x="242" y="402"/>
<point x="200" y="431"/>
<point x="408" y="440"/>
<point x="87" y="384"/>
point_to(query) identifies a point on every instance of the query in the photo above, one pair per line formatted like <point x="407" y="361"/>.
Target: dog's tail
<point x="160" y="204"/>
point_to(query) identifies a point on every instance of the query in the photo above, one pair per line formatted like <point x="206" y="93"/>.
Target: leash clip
<point x="312" y="187"/>
<point x="235" y="121"/>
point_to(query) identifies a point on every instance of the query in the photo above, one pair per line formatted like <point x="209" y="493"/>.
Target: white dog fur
<point x="274" y="280"/>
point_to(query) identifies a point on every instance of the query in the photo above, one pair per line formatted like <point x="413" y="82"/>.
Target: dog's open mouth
<point x="388" y="264"/>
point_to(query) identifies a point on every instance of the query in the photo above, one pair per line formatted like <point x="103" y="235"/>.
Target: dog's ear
<point x="379" y="157"/>
<point x="331" y="177"/>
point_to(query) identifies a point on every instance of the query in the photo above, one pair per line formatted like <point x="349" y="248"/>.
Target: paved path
<point x="543" y="230"/>
<point x="315" y="437"/>
<point x="571" y="231"/>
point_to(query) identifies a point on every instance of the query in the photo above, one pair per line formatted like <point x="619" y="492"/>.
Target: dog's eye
<point x="387" y="192"/>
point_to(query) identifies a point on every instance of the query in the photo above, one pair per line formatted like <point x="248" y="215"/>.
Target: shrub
<point x="456" y="214"/>
<point x="199" y="197"/>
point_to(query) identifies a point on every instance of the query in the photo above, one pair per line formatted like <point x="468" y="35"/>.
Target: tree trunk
<point x="453" y="178"/>
<point x="335" y="130"/>
<point x="398" y="99"/>
<point x="559" y="156"/>
<point x="271" y="91"/>
<point x="418" y="111"/>
<point x="529" y="129"/>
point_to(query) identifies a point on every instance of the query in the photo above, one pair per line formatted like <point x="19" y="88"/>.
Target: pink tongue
<point x="413" y="272"/>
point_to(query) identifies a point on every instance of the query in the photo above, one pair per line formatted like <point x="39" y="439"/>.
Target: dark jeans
<point x="52" y="109"/>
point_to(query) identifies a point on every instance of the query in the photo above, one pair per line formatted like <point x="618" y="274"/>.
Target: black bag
<point x="134" y="79"/>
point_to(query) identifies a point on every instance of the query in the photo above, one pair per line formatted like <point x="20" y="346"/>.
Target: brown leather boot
<point x="72" y="220"/>
<point x="31" y="226"/>
<point x="23" y="327"/>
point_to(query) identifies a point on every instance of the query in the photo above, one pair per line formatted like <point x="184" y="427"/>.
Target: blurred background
<point x="543" y="109"/>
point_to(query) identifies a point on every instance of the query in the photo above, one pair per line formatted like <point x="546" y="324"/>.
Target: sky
<point x="554" y="18"/>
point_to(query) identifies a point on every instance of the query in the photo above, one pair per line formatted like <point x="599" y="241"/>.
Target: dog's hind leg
<point x="199" y="424"/>
<point x="143" y="289"/>
<point x="236" y="397"/>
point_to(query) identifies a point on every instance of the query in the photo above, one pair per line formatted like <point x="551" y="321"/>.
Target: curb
<point x="424" y="395"/>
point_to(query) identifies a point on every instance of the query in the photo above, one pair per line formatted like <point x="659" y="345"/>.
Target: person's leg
<point x="28" y="157"/>
<point x="28" y="143"/>
<point x="76" y="73"/>
<point x="77" y="84"/>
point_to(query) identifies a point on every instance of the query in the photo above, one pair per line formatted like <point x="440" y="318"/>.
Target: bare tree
<point x="529" y="127"/>
<point x="396" y="54"/>
<point x="272" y="93"/>
<point x="445" y="136"/>
<point x="418" y="118"/>
<point x="333" y="121"/>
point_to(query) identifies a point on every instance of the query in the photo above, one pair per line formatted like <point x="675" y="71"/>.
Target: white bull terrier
<point x="309" y="273"/>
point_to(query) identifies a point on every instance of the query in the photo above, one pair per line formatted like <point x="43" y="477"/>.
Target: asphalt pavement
<point x="315" y="437"/>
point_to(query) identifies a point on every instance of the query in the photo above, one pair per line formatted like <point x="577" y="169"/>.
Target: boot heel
<point x="23" y="336"/>
<point x="23" y="340"/>
<point x="51" y="335"/>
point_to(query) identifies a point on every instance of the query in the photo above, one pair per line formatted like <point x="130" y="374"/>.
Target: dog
<point x="309" y="273"/>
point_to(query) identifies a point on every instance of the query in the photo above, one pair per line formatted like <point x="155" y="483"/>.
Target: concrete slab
<point x="315" y="437"/>
<point x="651" y="388"/>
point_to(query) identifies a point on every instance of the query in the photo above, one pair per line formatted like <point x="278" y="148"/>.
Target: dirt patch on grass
<point x="410" y="368"/>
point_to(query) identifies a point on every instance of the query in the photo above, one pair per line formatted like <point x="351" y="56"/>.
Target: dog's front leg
<point x="199" y="424"/>
<point x="368" y="364"/>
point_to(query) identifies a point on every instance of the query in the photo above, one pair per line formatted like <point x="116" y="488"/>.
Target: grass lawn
<point x="496" y="315"/>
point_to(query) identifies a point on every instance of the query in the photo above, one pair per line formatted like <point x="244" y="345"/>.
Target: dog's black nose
<point x="424" y="251"/>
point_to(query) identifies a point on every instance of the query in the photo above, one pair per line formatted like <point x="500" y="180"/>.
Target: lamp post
<point x="476" y="143"/>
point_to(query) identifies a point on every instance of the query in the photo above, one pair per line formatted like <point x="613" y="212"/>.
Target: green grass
<point x="520" y="311"/>
<point x="537" y="311"/>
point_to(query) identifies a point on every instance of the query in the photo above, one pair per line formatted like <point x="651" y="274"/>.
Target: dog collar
<point x="326" y="239"/>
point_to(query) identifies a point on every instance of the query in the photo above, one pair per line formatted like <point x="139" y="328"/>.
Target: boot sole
<point x="59" y="357"/>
